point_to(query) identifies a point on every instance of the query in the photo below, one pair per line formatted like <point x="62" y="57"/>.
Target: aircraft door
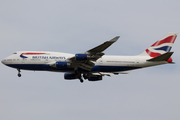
<point x="137" y="63"/>
<point x="24" y="60"/>
<point x="100" y="61"/>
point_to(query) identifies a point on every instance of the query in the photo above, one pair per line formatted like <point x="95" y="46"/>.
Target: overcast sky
<point x="75" y="26"/>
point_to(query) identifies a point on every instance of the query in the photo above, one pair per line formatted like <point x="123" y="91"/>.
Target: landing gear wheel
<point x="19" y="75"/>
<point x="81" y="81"/>
<point x="85" y="76"/>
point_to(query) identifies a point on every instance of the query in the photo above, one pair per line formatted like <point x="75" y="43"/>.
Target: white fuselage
<point x="106" y="63"/>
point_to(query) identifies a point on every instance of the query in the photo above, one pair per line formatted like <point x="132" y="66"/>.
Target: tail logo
<point x="162" y="46"/>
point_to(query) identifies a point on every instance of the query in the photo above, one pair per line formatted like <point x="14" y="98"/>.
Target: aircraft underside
<point x="46" y="67"/>
<point x="71" y="73"/>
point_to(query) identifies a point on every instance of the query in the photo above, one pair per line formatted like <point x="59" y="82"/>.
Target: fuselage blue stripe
<point x="46" y="67"/>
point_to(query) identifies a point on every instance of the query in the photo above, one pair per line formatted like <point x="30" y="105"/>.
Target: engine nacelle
<point x="62" y="64"/>
<point x="95" y="78"/>
<point x="69" y="76"/>
<point x="80" y="57"/>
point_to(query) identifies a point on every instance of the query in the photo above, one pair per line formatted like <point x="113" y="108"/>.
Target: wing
<point x="96" y="52"/>
<point x="85" y="60"/>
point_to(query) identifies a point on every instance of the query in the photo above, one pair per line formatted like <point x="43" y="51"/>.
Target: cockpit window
<point x="15" y="53"/>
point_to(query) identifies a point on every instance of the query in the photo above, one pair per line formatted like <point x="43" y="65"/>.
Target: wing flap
<point x="86" y="66"/>
<point x="111" y="73"/>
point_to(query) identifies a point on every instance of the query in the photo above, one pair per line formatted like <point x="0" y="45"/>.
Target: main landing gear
<point x="78" y="75"/>
<point x="80" y="78"/>
<point x="85" y="76"/>
<point x="19" y="74"/>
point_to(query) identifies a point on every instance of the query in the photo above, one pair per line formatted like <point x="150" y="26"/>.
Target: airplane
<point x="92" y="64"/>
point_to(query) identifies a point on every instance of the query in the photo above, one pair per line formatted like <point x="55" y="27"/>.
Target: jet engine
<point x="95" y="78"/>
<point x="80" y="57"/>
<point x="60" y="64"/>
<point x="70" y="76"/>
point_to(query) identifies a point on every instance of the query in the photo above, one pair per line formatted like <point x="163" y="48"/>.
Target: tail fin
<point x="162" y="46"/>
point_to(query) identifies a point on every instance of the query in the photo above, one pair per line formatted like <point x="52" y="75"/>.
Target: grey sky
<point x="75" y="26"/>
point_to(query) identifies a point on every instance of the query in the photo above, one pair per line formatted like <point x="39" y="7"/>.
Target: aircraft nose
<point x="3" y="61"/>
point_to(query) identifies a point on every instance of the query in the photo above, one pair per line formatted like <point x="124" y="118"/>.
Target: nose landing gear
<point x="19" y="74"/>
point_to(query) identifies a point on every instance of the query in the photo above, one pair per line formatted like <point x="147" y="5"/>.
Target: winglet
<point x="114" y="39"/>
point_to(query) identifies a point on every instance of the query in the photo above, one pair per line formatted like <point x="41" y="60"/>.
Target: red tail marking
<point x="152" y="54"/>
<point x="169" y="60"/>
<point x="169" y="39"/>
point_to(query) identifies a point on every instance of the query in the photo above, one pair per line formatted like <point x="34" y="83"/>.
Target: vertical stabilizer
<point x="162" y="46"/>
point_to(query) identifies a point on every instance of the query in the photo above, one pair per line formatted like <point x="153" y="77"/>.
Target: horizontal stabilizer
<point x="162" y="57"/>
